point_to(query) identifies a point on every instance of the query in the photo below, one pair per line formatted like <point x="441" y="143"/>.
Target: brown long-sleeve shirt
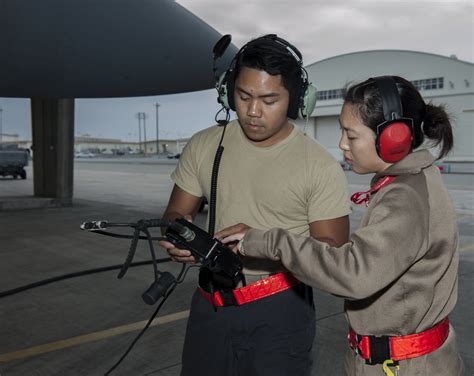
<point x="398" y="273"/>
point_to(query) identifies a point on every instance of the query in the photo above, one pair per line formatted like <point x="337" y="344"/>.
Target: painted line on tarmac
<point x="92" y="337"/>
<point x="466" y="248"/>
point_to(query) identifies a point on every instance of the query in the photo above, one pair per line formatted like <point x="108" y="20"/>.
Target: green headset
<point x="302" y="101"/>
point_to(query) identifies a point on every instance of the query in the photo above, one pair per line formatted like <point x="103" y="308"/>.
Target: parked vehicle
<point x="13" y="161"/>
<point x="173" y="156"/>
<point x="84" y="154"/>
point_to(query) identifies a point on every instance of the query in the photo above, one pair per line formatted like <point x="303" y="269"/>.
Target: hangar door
<point x="328" y="134"/>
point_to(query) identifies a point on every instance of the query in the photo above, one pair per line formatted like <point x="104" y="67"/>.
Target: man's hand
<point x="177" y="254"/>
<point x="233" y="234"/>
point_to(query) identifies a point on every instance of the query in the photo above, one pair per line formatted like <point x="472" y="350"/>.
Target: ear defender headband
<point x="302" y="102"/>
<point x="395" y="135"/>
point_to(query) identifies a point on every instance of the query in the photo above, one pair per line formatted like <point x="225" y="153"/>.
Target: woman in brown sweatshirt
<point x="399" y="271"/>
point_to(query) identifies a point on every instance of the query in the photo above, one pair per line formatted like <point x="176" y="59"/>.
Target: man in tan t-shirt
<point x="270" y="175"/>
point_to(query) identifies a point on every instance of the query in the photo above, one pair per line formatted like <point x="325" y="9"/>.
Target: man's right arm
<point x="181" y="205"/>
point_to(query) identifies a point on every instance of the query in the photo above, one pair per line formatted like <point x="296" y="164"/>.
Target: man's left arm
<point x="334" y="232"/>
<point x="328" y="204"/>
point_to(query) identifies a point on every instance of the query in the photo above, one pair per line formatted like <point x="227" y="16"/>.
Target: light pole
<point x="144" y="130"/>
<point x="139" y="117"/>
<point x="157" y="105"/>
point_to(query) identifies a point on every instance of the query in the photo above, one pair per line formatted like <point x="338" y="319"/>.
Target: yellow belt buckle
<point x="390" y="363"/>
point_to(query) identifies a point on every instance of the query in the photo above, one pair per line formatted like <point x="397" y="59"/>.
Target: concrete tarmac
<point x="83" y="325"/>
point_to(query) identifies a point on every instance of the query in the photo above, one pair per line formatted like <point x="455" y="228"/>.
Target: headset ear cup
<point x="308" y="101"/>
<point x="221" y="86"/>
<point x="225" y="90"/>
<point x="394" y="142"/>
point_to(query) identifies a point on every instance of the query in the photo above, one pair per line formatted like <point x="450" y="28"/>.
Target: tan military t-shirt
<point x="287" y="185"/>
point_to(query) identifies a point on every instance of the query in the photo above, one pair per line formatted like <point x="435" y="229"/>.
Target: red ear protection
<point x="394" y="141"/>
<point x="395" y="135"/>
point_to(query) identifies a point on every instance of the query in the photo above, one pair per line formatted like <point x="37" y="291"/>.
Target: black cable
<point x="131" y="253"/>
<point x="150" y="320"/>
<point x="140" y="226"/>
<point x="130" y="347"/>
<point x="99" y="227"/>
<point x="186" y="272"/>
<point x="330" y="315"/>
<point x="227" y="117"/>
<point x="4" y="294"/>
<point x="152" y="251"/>
<point x="120" y="224"/>
<point x="122" y="236"/>
<point x="215" y="174"/>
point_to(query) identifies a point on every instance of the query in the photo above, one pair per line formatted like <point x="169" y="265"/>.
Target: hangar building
<point x="440" y="79"/>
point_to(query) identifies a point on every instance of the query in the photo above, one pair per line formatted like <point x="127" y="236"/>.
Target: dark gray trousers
<point x="272" y="336"/>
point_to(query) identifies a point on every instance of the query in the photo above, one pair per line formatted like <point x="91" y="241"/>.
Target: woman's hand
<point x="233" y="236"/>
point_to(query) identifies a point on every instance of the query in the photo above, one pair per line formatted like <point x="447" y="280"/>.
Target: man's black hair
<point x="274" y="61"/>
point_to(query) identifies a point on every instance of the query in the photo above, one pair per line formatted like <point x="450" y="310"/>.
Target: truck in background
<point x="13" y="161"/>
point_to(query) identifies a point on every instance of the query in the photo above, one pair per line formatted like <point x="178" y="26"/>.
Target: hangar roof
<point x="391" y="51"/>
<point x="334" y="73"/>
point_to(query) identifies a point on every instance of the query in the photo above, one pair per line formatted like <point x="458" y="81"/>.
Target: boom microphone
<point x="221" y="46"/>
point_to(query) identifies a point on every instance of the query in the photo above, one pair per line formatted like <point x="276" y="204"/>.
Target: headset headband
<point x="395" y="135"/>
<point x="270" y="41"/>
<point x="302" y="95"/>
<point x="391" y="102"/>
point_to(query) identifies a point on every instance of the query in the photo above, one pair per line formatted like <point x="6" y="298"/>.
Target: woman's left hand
<point x="233" y="234"/>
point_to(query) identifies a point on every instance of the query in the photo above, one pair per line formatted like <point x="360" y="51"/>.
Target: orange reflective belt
<point x="262" y="288"/>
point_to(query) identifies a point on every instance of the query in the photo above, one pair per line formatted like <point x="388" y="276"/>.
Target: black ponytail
<point x="438" y="129"/>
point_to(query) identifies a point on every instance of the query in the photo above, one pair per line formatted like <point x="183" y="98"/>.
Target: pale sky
<point x="319" y="29"/>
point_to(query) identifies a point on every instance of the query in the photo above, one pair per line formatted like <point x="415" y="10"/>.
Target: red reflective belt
<point x="264" y="287"/>
<point x="400" y="347"/>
